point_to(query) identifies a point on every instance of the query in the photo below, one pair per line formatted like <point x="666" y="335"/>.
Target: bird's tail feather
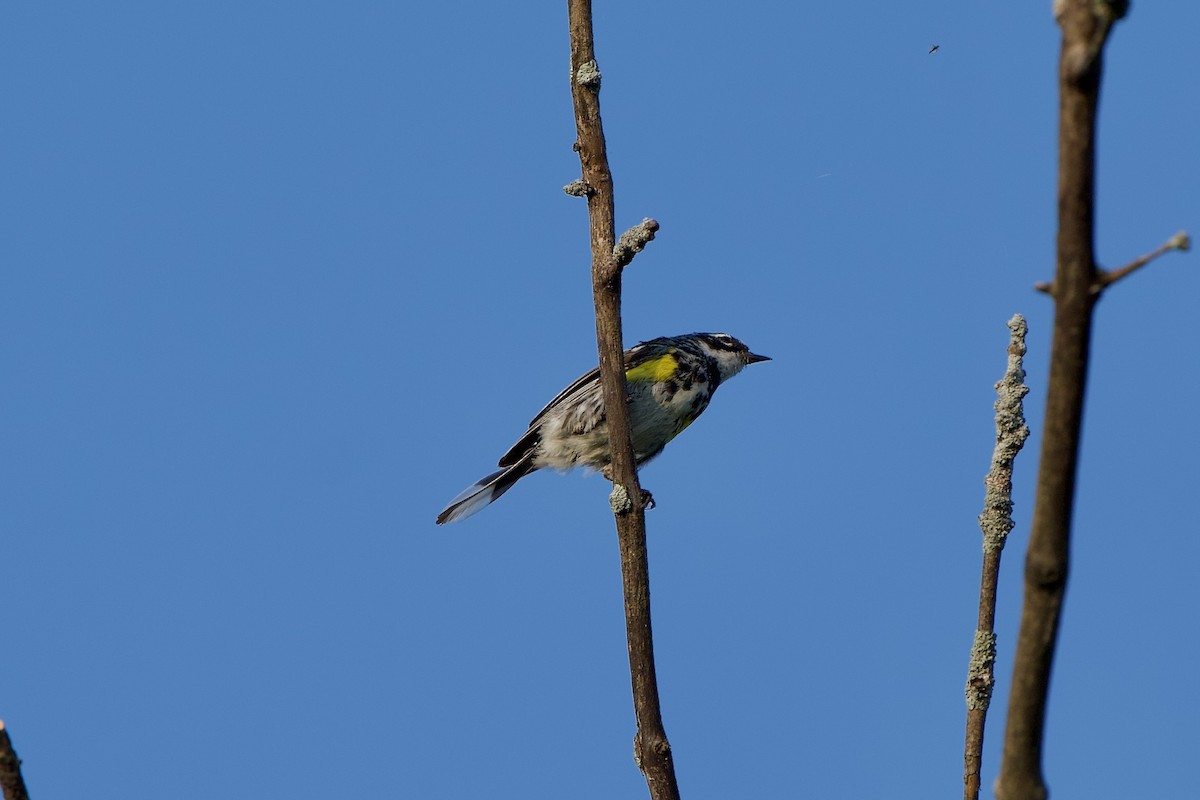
<point x="485" y="490"/>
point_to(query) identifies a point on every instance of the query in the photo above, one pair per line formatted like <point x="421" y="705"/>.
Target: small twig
<point x="10" y="769"/>
<point x="577" y="188"/>
<point x="633" y="241"/>
<point x="996" y="522"/>
<point x="1105" y="278"/>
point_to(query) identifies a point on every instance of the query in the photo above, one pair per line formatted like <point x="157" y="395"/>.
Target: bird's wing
<point x="588" y="382"/>
<point x="585" y="390"/>
<point x="636" y="356"/>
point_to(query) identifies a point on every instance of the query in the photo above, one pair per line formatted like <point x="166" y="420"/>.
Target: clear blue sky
<point x="280" y="279"/>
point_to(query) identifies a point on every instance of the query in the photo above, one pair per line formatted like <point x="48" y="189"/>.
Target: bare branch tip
<point x="1105" y="278"/>
<point x="1045" y="287"/>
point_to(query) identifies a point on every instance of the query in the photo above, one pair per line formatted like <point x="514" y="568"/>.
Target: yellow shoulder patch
<point x="661" y="368"/>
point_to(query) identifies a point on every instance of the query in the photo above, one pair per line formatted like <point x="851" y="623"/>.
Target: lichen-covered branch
<point x="996" y="522"/>
<point x="633" y="241"/>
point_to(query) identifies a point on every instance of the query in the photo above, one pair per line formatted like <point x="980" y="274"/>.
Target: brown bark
<point x="651" y="749"/>
<point x="1085" y="26"/>
<point x="11" y="782"/>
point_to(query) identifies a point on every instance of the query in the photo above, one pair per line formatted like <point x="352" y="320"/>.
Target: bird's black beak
<point x="754" y="358"/>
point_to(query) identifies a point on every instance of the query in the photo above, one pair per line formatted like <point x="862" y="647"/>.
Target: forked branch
<point x="1106" y="277"/>
<point x="1086" y="25"/>
<point x="1047" y="559"/>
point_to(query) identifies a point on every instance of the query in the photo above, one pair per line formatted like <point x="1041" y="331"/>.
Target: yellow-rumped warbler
<point x="670" y="383"/>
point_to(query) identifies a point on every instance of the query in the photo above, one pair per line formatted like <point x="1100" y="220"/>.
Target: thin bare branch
<point x="996" y="522"/>
<point x="1180" y="241"/>
<point x="11" y="781"/>
<point x="652" y="752"/>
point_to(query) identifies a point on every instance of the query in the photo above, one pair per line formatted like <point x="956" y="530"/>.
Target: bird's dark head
<point x="731" y="354"/>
